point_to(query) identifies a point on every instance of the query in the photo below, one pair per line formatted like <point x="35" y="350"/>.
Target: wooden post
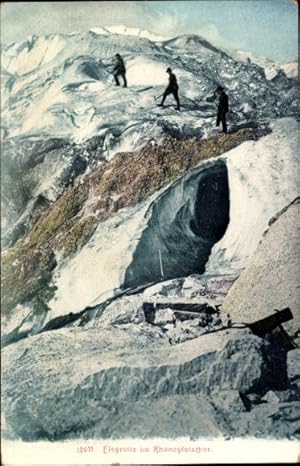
<point x="160" y="263"/>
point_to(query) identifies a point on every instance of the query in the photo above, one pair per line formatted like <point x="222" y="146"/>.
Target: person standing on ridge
<point x="171" y="89"/>
<point x="120" y="70"/>
<point x="222" y="108"/>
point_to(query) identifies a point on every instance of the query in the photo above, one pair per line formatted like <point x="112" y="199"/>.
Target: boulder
<point x="271" y="279"/>
<point x="228" y="400"/>
<point x="122" y="310"/>
<point x="275" y="396"/>
<point x="271" y="397"/>
<point x="66" y="380"/>
<point x="164" y="317"/>
<point x="185" y="330"/>
<point x="266" y="420"/>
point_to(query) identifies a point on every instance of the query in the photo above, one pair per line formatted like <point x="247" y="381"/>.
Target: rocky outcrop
<point x="170" y="316"/>
<point x="271" y="280"/>
<point x="214" y="287"/>
<point x="67" y="380"/>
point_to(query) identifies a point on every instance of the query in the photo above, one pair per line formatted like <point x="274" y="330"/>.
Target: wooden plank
<point x="182" y="306"/>
<point x="187" y="308"/>
<point x="263" y="326"/>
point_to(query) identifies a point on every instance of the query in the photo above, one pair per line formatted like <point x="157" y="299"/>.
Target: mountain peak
<point x="192" y="41"/>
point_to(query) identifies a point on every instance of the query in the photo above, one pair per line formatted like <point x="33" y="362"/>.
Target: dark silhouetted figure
<point x="120" y="70"/>
<point x="171" y="89"/>
<point x="222" y="108"/>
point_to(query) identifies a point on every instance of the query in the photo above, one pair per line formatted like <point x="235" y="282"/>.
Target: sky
<point x="266" y="27"/>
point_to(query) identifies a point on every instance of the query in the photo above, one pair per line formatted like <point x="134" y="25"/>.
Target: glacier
<point x="60" y="86"/>
<point x="87" y="361"/>
<point x="259" y="178"/>
<point x="263" y="178"/>
<point x="58" y="99"/>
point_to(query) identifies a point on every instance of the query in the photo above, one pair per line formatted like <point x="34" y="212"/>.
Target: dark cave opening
<point x="211" y="207"/>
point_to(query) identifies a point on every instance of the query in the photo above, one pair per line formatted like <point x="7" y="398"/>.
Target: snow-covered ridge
<point x="270" y="67"/>
<point x="62" y="86"/>
<point x="129" y="31"/>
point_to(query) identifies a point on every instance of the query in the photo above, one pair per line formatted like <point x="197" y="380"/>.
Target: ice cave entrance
<point x="185" y="223"/>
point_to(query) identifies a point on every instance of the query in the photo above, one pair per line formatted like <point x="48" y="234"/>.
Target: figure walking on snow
<point x="222" y="108"/>
<point x="120" y="70"/>
<point x="171" y="89"/>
